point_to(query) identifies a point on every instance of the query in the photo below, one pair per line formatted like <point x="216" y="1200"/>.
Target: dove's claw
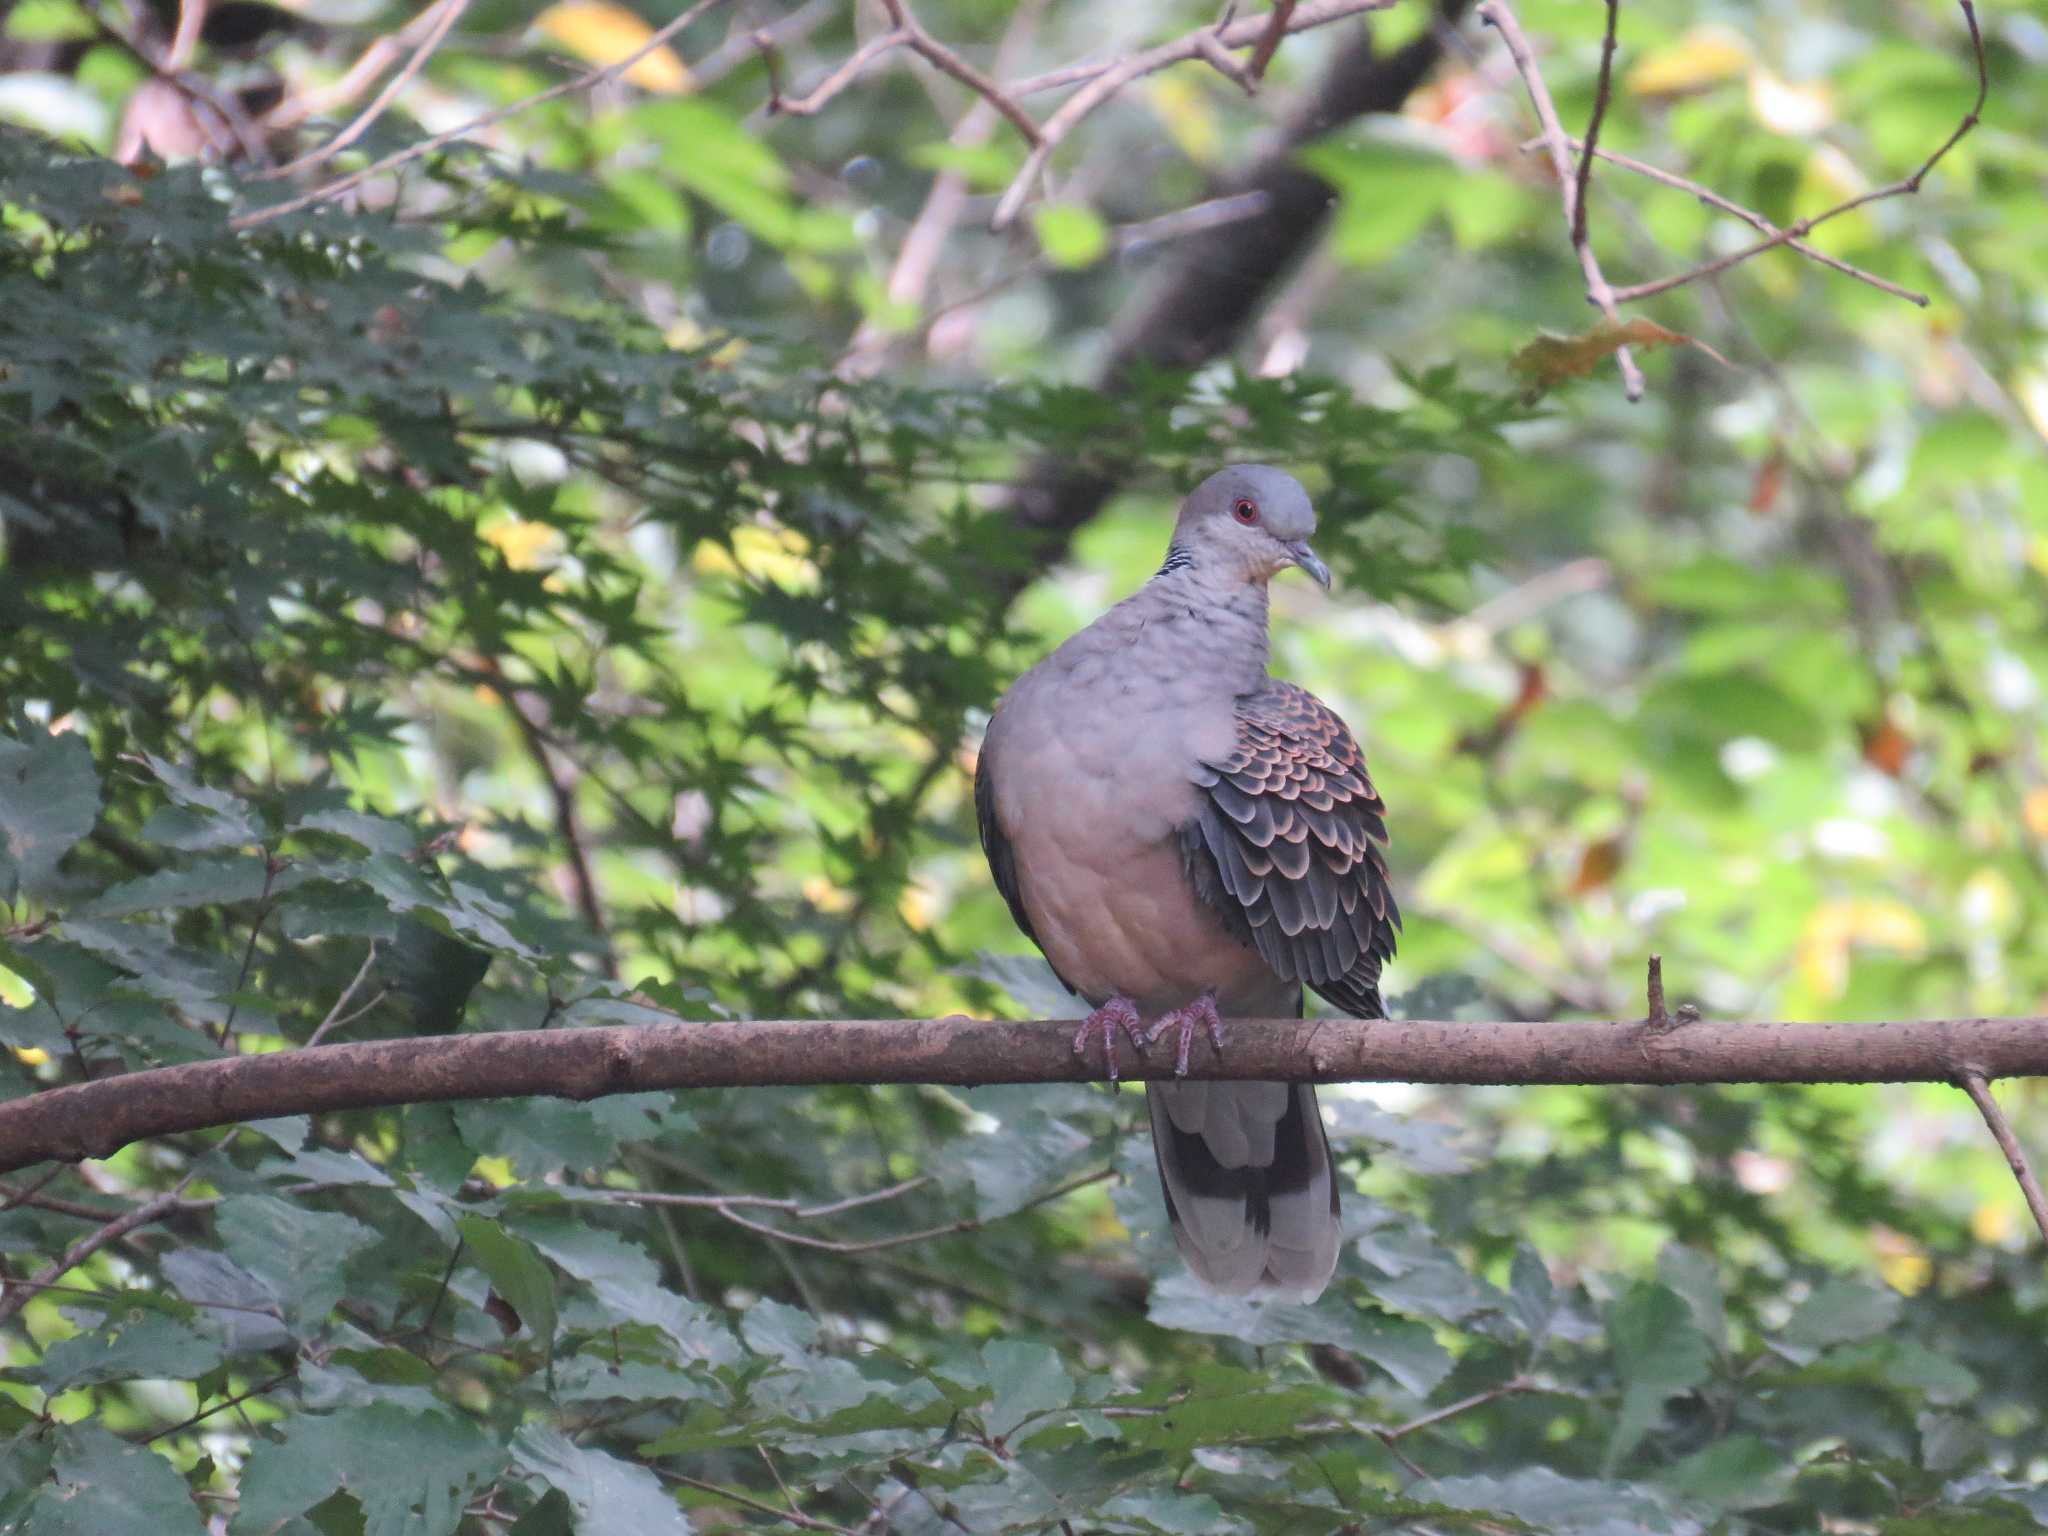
<point x="1200" y="1014"/>
<point x="1118" y="1013"/>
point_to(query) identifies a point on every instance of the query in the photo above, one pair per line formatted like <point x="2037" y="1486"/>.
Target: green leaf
<point x="1531" y="1291"/>
<point x="1405" y="1350"/>
<point x="1740" y="1472"/>
<point x="1027" y="1379"/>
<point x="1070" y="234"/>
<point x="1693" y="1276"/>
<point x="608" y="1495"/>
<point x="49" y="799"/>
<point x="1540" y="1499"/>
<point x="234" y="822"/>
<point x="1390" y="190"/>
<point x="1658" y="1353"/>
<point x="126" y="1346"/>
<point x="518" y="1274"/>
<point x="1838" y="1312"/>
<point x="299" y="1254"/>
<point x="209" y="883"/>
<point x="101" y="1484"/>
<point x="411" y="1473"/>
<point x="782" y="1333"/>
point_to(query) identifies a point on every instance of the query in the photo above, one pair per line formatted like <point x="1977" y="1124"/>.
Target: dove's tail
<point x="1251" y="1191"/>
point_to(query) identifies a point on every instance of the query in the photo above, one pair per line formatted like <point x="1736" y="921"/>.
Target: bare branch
<point x="849" y="70"/>
<point x="902" y="1239"/>
<point x="95" y="1119"/>
<point x="746" y="1501"/>
<point x="18" y="1294"/>
<point x="444" y="14"/>
<point x="1269" y="44"/>
<point x="1113" y="77"/>
<point x="1748" y="216"/>
<point x="933" y="52"/>
<point x="1499" y="15"/>
<point x="1798" y="231"/>
<point x="341" y="1002"/>
<point x="1979" y="1090"/>
<point x="1602" y="90"/>
<point x="342" y="185"/>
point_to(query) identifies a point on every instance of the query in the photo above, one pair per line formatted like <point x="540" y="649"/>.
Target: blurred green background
<point x="577" y="566"/>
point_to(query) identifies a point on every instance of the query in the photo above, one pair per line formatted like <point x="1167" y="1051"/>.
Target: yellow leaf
<point x="1550" y="359"/>
<point x="1837" y="926"/>
<point x="1184" y="110"/>
<point x="15" y="992"/>
<point x="825" y="896"/>
<point x="605" y="33"/>
<point x="777" y="555"/>
<point x="2031" y="386"/>
<point x="1993" y="1223"/>
<point x="1783" y="107"/>
<point x="2035" y="809"/>
<point x="917" y="907"/>
<point x="497" y="1172"/>
<point x="1899" y="1259"/>
<point x="1705" y="56"/>
<point x="523" y="544"/>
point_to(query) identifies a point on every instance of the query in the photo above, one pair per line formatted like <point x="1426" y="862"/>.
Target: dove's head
<point x="1250" y="522"/>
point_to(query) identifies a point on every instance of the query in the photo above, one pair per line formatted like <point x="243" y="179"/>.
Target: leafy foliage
<point x="407" y="634"/>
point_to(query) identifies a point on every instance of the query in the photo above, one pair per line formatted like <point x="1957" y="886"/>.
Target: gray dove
<point x="1189" y="840"/>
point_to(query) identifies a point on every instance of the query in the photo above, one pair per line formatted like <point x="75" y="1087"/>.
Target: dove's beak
<point x="1303" y="556"/>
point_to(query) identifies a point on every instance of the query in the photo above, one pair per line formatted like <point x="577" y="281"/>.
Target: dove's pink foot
<point x="1118" y="1013"/>
<point x="1200" y="1014"/>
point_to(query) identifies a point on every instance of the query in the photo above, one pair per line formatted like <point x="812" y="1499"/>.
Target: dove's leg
<point x="1200" y="1014"/>
<point x="1118" y="1013"/>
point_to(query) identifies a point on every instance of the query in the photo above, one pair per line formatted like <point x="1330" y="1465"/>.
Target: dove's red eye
<point x="1246" y="511"/>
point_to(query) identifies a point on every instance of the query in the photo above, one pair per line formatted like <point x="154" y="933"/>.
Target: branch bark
<point x="96" y="1119"/>
<point x="1205" y="297"/>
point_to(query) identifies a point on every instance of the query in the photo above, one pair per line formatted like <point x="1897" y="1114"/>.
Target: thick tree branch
<point x="95" y="1119"/>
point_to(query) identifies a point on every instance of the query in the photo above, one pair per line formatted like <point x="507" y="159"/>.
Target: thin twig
<point x="1978" y="1087"/>
<point x="930" y="49"/>
<point x="222" y="1406"/>
<point x="1113" y="77"/>
<point x="271" y="866"/>
<point x="795" y="1210"/>
<point x="562" y="790"/>
<point x="902" y="1239"/>
<point x="917" y="257"/>
<point x="1798" y="231"/>
<point x="1269" y="44"/>
<point x="1748" y="216"/>
<point x="17" y="1295"/>
<point x="341" y="1002"/>
<point x="848" y="70"/>
<point x="341" y="185"/>
<point x="345" y="88"/>
<point x="445" y="13"/>
<point x="746" y="1501"/>
<point x="1602" y="90"/>
<point x="10" y="1198"/>
<point x="1500" y="15"/>
<point x="747" y="42"/>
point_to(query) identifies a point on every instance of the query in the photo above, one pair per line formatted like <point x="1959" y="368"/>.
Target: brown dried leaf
<point x="1549" y="360"/>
